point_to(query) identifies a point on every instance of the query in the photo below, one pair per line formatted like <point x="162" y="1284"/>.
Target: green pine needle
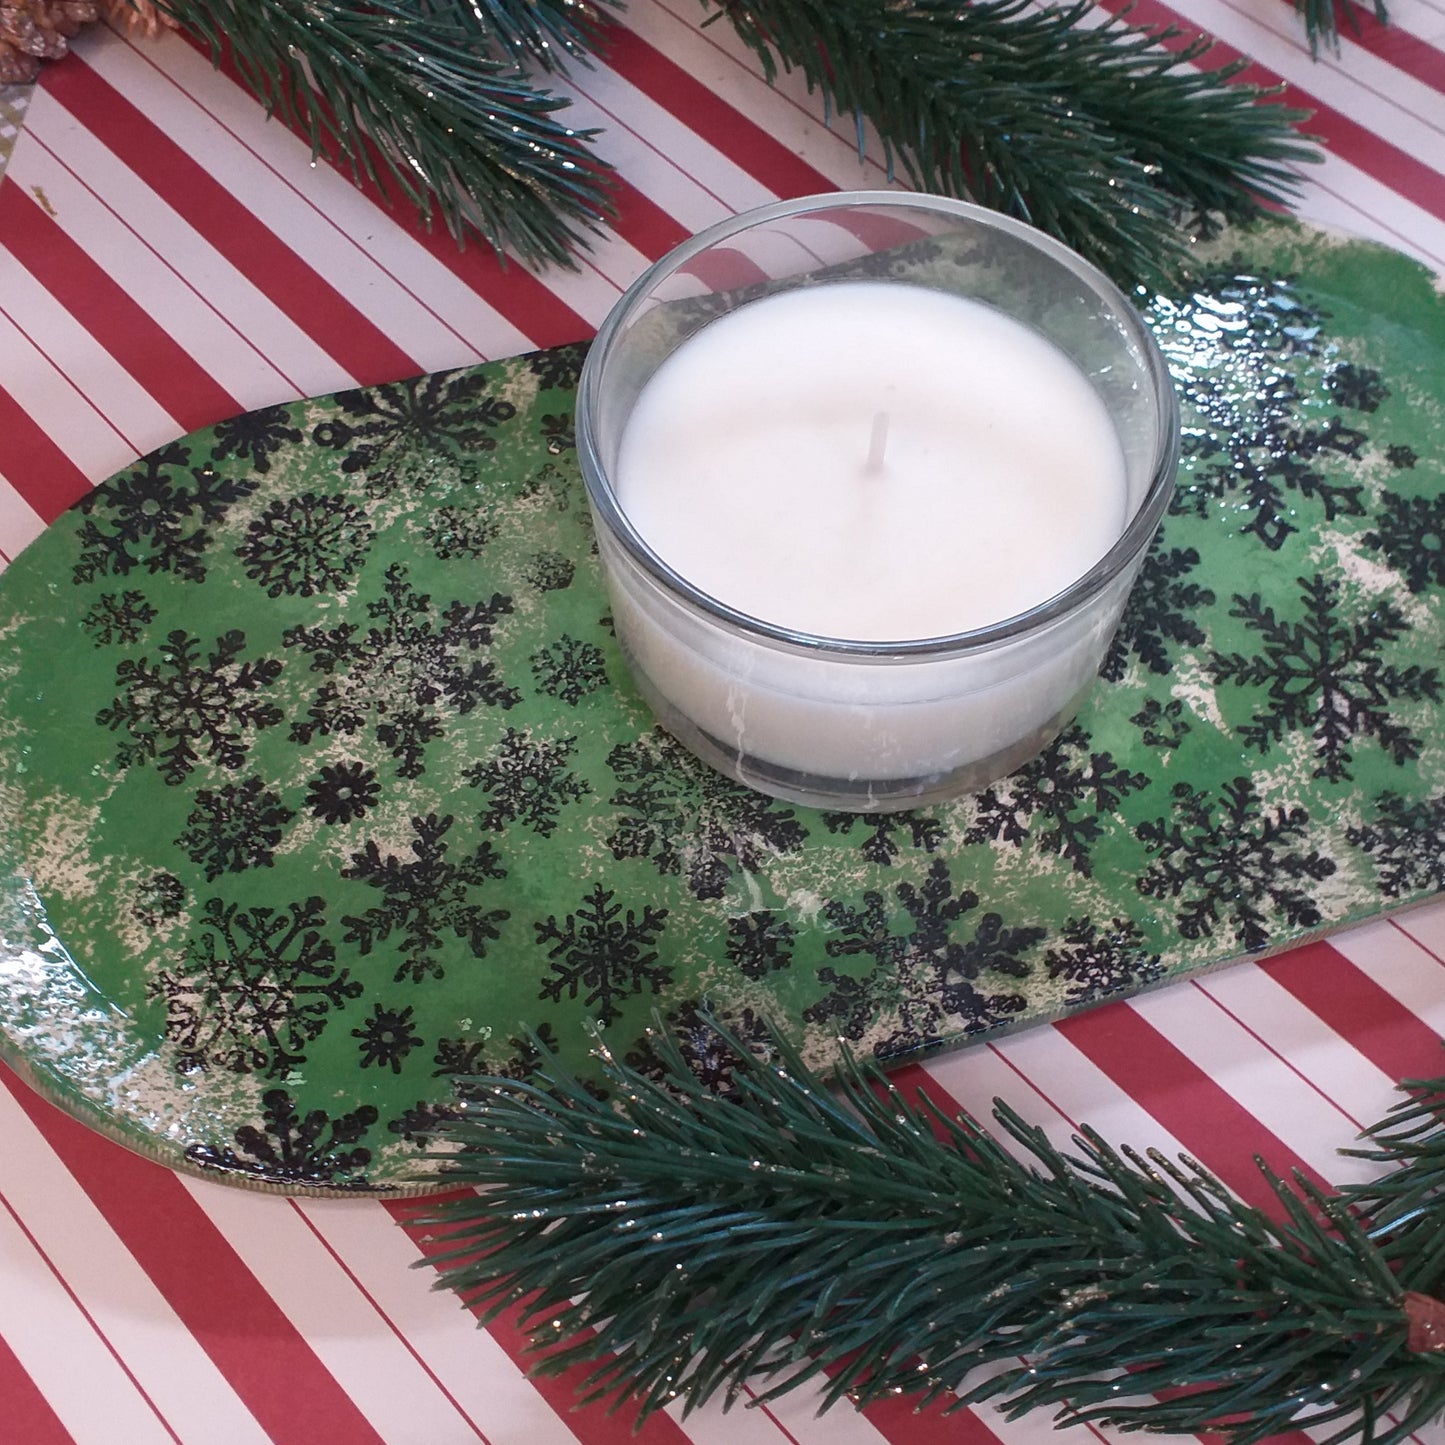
<point x="1087" y="129"/>
<point x="682" y="1246"/>
<point x="1322" y="20"/>
<point x="430" y="96"/>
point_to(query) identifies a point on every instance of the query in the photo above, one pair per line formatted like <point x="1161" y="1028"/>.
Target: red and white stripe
<point x="167" y="258"/>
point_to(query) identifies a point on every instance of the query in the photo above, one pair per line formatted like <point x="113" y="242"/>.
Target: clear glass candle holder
<point x="856" y="723"/>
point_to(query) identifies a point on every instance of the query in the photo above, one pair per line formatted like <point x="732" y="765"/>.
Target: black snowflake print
<point x="306" y="545"/>
<point x="188" y="704"/>
<point x="403" y="670"/>
<point x="387" y="1037"/>
<point x="760" y="943"/>
<point x="881" y="832"/>
<point x="158" y="899"/>
<point x="709" y="1056"/>
<point x="1097" y="962"/>
<point x="253" y="988"/>
<point x="1232" y="863"/>
<point x="118" y="617"/>
<point x="396" y="435"/>
<point x="924" y="978"/>
<point x="690" y="820"/>
<point x="559" y="367"/>
<point x="1361" y="388"/>
<point x="342" y="793"/>
<point x="1161" y="609"/>
<point x="1231" y="348"/>
<point x="459" y="531"/>
<point x="1411" y="534"/>
<point x="419" y="1124"/>
<point x="603" y="954"/>
<point x="459" y="1056"/>
<point x="152" y="519"/>
<point x="1406" y="839"/>
<point x="549" y="571"/>
<point x="1056" y="802"/>
<point x="319" y="1150"/>
<point x="425" y="897"/>
<point x="234" y="827"/>
<point x="526" y="781"/>
<point x="1329" y="675"/>
<point x="551" y="485"/>
<point x="560" y="433"/>
<point x="1401" y="457"/>
<point x="254" y="435"/>
<point x="1162" y="724"/>
<point x="569" y="669"/>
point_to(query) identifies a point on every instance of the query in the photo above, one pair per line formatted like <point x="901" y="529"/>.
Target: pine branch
<point x="1322" y="20"/>
<point x="680" y="1245"/>
<point x="1089" y="131"/>
<point x="430" y="97"/>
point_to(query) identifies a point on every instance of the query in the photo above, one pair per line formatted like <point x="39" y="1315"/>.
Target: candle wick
<point x="877" y="443"/>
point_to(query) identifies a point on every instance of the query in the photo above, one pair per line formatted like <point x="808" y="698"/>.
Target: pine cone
<point x="36" y="30"/>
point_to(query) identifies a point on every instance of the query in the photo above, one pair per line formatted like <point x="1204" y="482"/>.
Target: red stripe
<point x="28" y="1416"/>
<point x="164" y="368"/>
<point x="1390" y="43"/>
<point x="1393" y="1038"/>
<point x="903" y="1423"/>
<point x="727" y="130"/>
<point x="643" y="224"/>
<point x="34" y="465"/>
<point x="594" y="1425"/>
<point x="1345" y="138"/>
<point x="267" y="1361"/>
<point x="514" y="293"/>
<point x="1208" y="1122"/>
<point x="311" y="302"/>
<point x="724" y="269"/>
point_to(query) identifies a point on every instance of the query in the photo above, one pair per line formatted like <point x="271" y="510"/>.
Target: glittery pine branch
<point x="680" y="1245"/>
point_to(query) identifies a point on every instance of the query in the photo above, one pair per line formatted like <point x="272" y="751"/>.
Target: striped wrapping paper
<point x="167" y="258"/>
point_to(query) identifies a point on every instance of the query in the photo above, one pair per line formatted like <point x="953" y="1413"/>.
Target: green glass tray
<point x="322" y="782"/>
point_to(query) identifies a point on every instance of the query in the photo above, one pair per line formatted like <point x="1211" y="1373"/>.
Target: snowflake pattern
<point x="569" y="669"/>
<point x="186" y="705"/>
<point x="1056" y="802"/>
<point x="387" y="1037"/>
<point x="343" y="793"/>
<point x="690" y="820"/>
<point x="312" y="1150"/>
<point x="1328" y="675"/>
<point x="881" y="832"/>
<point x="710" y="1058"/>
<point x="1233" y="864"/>
<point x="425" y="897"/>
<point x="254" y="435"/>
<point x="1410" y="531"/>
<point x="923" y="980"/>
<point x="527" y="782"/>
<point x="1162" y="725"/>
<point x="402" y="670"/>
<point x="459" y="1056"/>
<point x="760" y="943"/>
<point x="253" y="989"/>
<point x="158" y="899"/>
<point x="419" y="1124"/>
<point x="234" y="827"/>
<point x="560" y="433"/>
<point x="306" y="545"/>
<point x="1360" y="388"/>
<point x="1232" y="347"/>
<point x="561" y="367"/>
<point x="549" y="571"/>
<point x="1407" y="841"/>
<point x="603" y="954"/>
<point x="1161" y="609"/>
<point x="396" y="434"/>
<point x="118" y="617"/>
<point x="459" y="531"/>
<point x="1097" y="962"/>
<point x="150" y="518"/>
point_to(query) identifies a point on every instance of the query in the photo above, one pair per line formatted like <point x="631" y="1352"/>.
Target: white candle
<point x="867" y="540"/>
<point x="872" y="461"/>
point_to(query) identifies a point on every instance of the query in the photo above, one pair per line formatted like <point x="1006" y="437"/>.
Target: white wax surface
<point x="745" y="464"/>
